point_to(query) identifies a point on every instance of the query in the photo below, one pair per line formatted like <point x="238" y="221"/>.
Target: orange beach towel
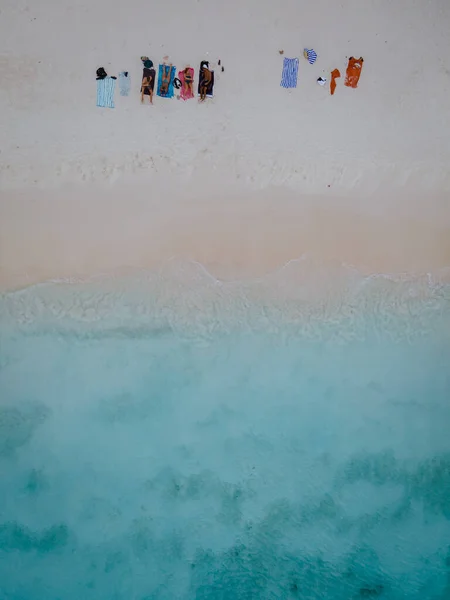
<point x="334" y="75"/>
<point x="353" y="73"/>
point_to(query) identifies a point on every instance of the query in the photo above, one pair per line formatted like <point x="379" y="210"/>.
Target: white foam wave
<point x="186" y="296"/>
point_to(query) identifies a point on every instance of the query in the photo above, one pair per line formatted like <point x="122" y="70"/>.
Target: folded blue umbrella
<point x="310" y="55"/>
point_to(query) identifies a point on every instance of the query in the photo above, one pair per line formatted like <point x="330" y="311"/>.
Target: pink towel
<point x="186" y="92"/>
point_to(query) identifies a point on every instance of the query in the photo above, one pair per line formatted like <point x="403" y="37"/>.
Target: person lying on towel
<point x="205" y="79"/>
<point x="188" y="81"/>
<point x="165" y="79"/>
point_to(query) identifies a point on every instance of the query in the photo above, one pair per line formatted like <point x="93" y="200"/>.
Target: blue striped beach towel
<point x="310" y="55"/>
<point x="105" y="92"/>
<point x="124" y="83"/>
<point x="290" y="73"/>
<point x="170" y="91"/>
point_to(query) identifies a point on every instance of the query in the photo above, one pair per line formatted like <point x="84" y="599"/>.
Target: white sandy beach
<point x="246" y="181"/>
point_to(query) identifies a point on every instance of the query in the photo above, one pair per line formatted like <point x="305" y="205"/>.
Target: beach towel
<point x="165" y="89"/>
<point x="210" y="88"/>
<point x="186" y="92"/>
<point x="334" y="75"/>
<point x="310" y="55"/>
<point x="353" y="73"/>
<point x="124" y="83"/>
<point x="105" y="92"/>
<point x="290" y="73"/>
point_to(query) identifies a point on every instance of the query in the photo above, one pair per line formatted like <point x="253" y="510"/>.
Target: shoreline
<point x="224" y="276"/>
<point x="302" y="297"/>
<point x="87" y="232"/>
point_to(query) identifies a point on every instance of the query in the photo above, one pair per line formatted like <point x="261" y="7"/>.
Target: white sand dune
<point x="248" y="180"/>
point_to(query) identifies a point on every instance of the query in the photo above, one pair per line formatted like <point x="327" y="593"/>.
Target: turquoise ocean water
<point x="168" y="436"/>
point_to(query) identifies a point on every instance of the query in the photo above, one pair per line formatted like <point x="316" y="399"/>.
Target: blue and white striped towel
<point x="124" y="83"/>
<point x="105" y="92"/>
<point x="290" y="73"/>
<point x="310" y="55"/>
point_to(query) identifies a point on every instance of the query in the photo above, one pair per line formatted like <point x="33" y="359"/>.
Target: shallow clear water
<point x="225" y="442"/>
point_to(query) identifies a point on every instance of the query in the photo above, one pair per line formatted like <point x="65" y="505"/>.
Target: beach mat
<point x="124" y="83"/>
<point x="170" y="70"/>
<point x="186" y="93"/>
<point x="210" y="89"/>
<point x="290" y="73"/>
<point x="353" y="72"/>
<point x="105" y="92"/>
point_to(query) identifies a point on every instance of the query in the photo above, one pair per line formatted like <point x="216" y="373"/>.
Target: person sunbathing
<point x="165" y="79"/>
<point x="148" y="79"/>
<point x="147" y="88"/>
<point x="188" y="81"/>
<point x="205" y="80"/>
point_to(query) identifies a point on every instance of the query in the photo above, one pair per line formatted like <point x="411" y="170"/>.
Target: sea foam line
<point x="440" y="277"/>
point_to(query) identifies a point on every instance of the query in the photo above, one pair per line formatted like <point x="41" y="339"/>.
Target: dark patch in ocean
<point x="427" y="482"/>
<point x="14" y="536"/>
<point x="17" y="425"/>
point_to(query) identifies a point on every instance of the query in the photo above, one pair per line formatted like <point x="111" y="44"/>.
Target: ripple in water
<point x="171" y="436"/>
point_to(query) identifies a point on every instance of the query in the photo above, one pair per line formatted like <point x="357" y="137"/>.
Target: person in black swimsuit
<point x="148" y="79"/>
<point x="205" y="80"/>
